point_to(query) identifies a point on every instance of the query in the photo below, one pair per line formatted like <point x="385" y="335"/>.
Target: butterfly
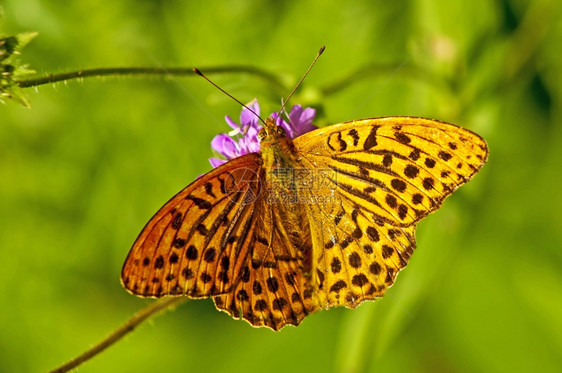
<point x="323" y="220"/>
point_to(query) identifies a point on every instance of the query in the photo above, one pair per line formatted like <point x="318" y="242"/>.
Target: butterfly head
<point x="271" y="133"/>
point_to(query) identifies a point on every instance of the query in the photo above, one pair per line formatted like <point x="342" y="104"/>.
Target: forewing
<point x="196" y="244"/>
<point x="400" y="168"/>
<point x="383" y="176"/>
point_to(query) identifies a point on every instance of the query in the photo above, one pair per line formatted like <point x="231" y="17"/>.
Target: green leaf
<point x="11" y="67"/>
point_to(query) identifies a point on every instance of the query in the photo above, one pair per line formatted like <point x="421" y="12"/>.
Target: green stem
<point x="149" y="311"/>
<point x="144" y="71"/>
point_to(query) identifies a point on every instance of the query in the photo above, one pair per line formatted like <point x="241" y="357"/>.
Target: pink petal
<point x="225" y="146"/>
<point x="215" y="162"/>
<point x="231" y="123"/>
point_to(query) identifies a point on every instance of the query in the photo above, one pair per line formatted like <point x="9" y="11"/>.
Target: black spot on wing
<point x="353" y="133"/>
<point x="336" y="143"/>
<point x="200" y="202"/>
<point x="371" y="140"/>
<point x="402" y="138"/>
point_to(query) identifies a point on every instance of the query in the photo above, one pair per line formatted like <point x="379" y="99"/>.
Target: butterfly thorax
<point x="277" y="152"/>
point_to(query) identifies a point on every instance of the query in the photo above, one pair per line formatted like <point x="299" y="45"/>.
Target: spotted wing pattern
<point x="197" y="243"/>
<point x="385" y="175"/>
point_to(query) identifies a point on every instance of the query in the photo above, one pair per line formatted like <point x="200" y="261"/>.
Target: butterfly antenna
<point x="198" y="72"/>
<point x="304" y="76"/>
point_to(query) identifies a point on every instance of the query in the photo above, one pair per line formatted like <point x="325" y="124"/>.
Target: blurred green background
<point x="84" y="169"/>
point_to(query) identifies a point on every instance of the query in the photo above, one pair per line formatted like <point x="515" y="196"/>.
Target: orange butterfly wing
<point x="197" y="243"/>
<point x="386" y="175"/>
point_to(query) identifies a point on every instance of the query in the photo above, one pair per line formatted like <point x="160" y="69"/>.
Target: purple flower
<point x="243" y="139"/>
<point x="300" y="121"/>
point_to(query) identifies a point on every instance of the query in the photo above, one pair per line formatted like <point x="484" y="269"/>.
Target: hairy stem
<point x="272" y="79"/>
<point x="151" y="310"/>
